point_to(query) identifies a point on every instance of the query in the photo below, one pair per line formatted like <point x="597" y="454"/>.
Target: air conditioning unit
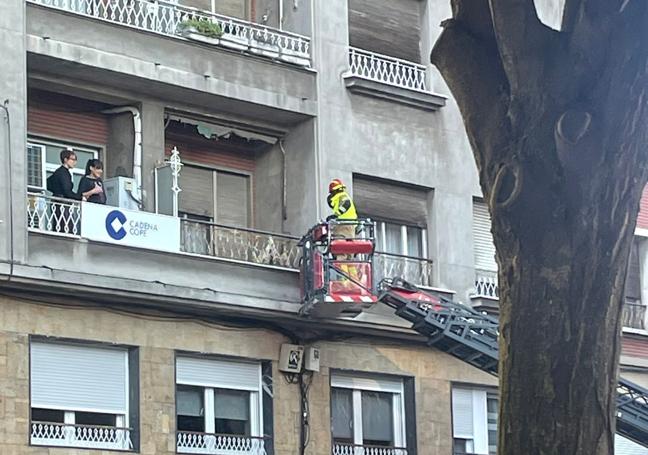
<point x="122" y="192"/>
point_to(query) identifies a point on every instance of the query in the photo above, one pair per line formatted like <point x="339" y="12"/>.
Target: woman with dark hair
<point x="92" y="179"/>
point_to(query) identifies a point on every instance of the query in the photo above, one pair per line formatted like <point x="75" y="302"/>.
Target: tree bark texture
<point x="558" y="123"/>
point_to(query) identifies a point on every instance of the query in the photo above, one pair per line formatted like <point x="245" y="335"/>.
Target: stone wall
<point x="158" y="339"/>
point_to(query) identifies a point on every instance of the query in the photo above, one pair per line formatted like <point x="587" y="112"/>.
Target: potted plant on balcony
<point x="202" y="30"/>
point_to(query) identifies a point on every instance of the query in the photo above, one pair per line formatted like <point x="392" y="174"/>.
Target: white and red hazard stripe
<point x="350" y="299"/>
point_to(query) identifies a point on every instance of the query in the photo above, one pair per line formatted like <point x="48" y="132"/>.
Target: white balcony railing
<point x="352" y="449"/>
<point x="53" y="215"/>
<point x="634" y="314"/>
<point x="241" y="244"/>
<point x="486" y="284"/>
<point x="168" y="18"/>
<point x="417" y="271"/>
<point x="84" y="436"/>
<point x="386" y="70"/>
<point x="219" y="444"/>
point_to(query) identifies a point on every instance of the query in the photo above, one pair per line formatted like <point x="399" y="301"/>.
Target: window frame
<point x="478" y="442"/>
<point x="215" y="170"/>
<point x="122" y="421"/>
<point x="374" y="383"/>
<point x="255" y="400"/>
<point x="38" y="141"/>
<point x="404" y="248"/>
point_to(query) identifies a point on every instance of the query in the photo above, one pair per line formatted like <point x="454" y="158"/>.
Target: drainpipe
<point x="284" y="194"/>
<point x="137" y="149"/>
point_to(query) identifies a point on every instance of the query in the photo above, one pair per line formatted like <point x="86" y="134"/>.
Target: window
<point x="43" y="158"/>
<point x="79" y="396"/>
<point x="219" y="405"/>
<point x="367" y="412"/>
<point x="474" y="421"/>
<point x="213" y="195"/>
<point x="400" y="239"/>
<point x="634" y="310"/>
<point x="482" y="238"/>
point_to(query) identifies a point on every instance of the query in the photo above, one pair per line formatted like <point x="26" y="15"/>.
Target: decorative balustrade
<point x="52" y="214"/>
<point x="387" y="70"/>
<point x="219" y="444"/>
<point x="486" y="284"/>
<point x="414" y="270"/>
<point x="353" y="449"/>
<point x="240" y="244"/>
<point x="634" y="315"/>
<point x="167" y="18"/>
<point x="85" y="436"/>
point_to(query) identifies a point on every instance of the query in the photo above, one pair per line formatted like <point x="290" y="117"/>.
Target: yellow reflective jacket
<point x="342" y="205"/>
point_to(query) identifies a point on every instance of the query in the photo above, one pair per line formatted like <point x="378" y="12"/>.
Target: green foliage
<point x="203" y="26"/>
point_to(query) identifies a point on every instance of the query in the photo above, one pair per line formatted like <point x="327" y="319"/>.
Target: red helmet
<point x="335" y="184"/>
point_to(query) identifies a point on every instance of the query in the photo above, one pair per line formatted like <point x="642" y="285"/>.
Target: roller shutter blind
<point x="222" y="374"/>
<point x="232" y="199"/>
<point x="364" y="383"/>
<point x="482" y="238"/>
<point x="390" y="27"/>
<point x="462" y="414"/>
<point x="633" y="278"/>
<point x="390" y="201"/>
<point x="79" y="378"/>
<point x="197" y="195"/>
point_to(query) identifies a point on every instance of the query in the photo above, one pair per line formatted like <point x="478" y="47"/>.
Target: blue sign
<point x="115" y="222"/>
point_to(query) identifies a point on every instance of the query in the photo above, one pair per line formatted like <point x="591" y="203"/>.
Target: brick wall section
<point x="158" y="340"/>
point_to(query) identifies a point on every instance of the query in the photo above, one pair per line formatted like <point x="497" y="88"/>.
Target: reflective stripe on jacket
<point x="342" y="205"/>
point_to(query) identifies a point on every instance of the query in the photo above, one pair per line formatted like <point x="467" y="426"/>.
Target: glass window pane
<point x="232" y="412"/>
<point x="377" y="418"/>
<point x="191" y="408"/>
<point x="342" y="415"/>
<point x="95" y="418"/>
<point x="47" y="415"/>
<point x="393" y="238"/>
<point x="414" y="242"/>
<point x="34" y="166"/>
<point x="492" y="407"/>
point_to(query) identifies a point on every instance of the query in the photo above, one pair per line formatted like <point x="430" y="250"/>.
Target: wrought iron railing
<point x="387" y="70"/>
<point x="167" y="18"/>
<point x="354" y="449"/>
<point x="414" y="270"/>
<point x="486" y="284"/>
<point x="219" y="444"/>
<point x="241" y="244"/>
<point x="634" y="314"/>
<point x="85" y="436"/>
<point x="53" y="214"/>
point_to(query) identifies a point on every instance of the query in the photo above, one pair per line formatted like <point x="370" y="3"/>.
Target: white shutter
<point x="480" y="422"/>
<point x="482" y="237"/>
<point x="364" y="383"/>
<point x="221" y="374"/>
<point x="462" y="414"/>
<point x="35" y="166"/>
<point x="79" y="378"/>
<point x="624" y="446"/>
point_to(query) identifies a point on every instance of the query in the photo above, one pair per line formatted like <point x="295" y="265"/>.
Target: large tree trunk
<point x="558" y="124"/>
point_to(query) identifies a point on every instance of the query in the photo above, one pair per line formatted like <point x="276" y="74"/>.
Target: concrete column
<point x="13" y="130"/>
<point x="121" y="141"/>
<point x="452" y="242"/>
<point x="152" y="149"/>
<point x="330" y="53"/>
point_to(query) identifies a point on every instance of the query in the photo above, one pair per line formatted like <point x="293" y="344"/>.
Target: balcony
<point x="62" y="217"/>
<point x="219" y="444"/>
<point x="382" y="76"/>
<point x="414" y="270"/>
<point x="486" y="294"/>
<point x="169" y="19"/>
<point x="352" y="449"/>
<point x="634" y="315"/>
<point x="83" y="436"/>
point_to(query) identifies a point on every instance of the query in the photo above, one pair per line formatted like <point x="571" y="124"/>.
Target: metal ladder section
<point x="472" y="337"/>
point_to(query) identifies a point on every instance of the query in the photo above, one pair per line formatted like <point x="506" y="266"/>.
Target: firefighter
<point x="343" y="210"/>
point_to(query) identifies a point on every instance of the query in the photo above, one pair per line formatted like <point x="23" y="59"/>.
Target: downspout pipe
<point x="137" y="148"/>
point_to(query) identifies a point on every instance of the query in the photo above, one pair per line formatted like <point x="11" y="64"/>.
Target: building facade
<point x="161" y="332"/>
